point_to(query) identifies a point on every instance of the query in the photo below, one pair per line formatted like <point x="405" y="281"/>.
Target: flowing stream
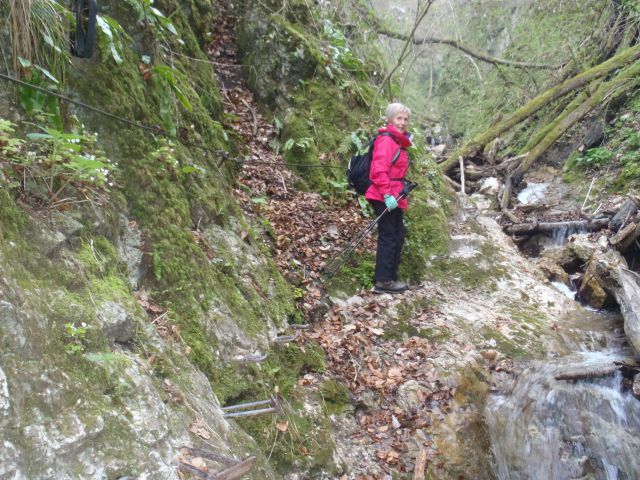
<point x="569" y="417"/>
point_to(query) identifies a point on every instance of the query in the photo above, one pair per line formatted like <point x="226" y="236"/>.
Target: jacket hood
<point x="402" y="138"/>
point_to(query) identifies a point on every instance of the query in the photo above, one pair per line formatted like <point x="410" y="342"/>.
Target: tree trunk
<point x="625" y="80"/>
<point x="540" y="134"/>
<point x="624" y="58"/>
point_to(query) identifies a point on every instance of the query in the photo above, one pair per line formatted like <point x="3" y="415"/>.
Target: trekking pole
<point x="336" y="263"/>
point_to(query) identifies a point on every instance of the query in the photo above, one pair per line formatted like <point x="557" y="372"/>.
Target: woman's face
<point x="400" y="121"/>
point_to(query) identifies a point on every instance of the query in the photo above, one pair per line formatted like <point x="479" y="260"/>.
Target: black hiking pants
<point x="390" y="242"/>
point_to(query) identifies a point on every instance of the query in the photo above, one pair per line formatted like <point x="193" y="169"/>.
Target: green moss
<point x="397" y="330"/>
<point x="335" y="396"/>
<point x="306" y="445"/>
<point x="355" y="274"/>
<point x="275" y="53"/>
<point x="284" y="366"/>
<point x="510" y="347"/>
<point x="436" y="335"/>
<point x="426" y="224"/>
<point x="12" y="218"/>
<point x="480" y="271"/>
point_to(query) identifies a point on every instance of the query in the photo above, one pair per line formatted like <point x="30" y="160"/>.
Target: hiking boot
<point x="389" y="286"/>
<point x="401" y="285"/>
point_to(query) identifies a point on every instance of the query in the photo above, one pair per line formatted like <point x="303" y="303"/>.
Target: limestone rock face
<point x="606" y="278"/>
<point x="116" y="323"/>
<point x="628" y="296"/>
<point x="130" y="251"/>
<point x="97" y="414"/>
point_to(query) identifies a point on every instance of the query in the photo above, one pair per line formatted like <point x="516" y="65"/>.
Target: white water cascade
<point x="568" y="417"/>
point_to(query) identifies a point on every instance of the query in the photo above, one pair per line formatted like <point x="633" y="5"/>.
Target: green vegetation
<point x="296" y="440"/>
<point x="619" y="154"/>
<point x="467" y="95"/>
<point x="335" y="396"/>
<point x="481" y="271"/>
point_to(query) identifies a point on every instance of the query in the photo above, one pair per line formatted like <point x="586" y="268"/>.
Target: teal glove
<point x="390" y="202"/>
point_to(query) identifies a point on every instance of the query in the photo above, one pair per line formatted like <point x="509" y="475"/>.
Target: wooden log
<point x="622" y="216"/>
<point x="456" y="186"/>
<point x="625" y="237"/>
<point x="511" y="163"/>
<point x="531" y="228"/>
<point x="474" y="173"/>
<point x="491" y="150"/>
<point x="583" y="373"/>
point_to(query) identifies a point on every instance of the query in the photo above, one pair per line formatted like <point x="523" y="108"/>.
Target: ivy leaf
<point x="115" y="54"/>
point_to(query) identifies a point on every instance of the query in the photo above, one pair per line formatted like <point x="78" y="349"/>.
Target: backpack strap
<point x="397" y="155"/>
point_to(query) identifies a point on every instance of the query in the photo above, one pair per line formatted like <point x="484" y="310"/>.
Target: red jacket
<point x="386" y="178"/>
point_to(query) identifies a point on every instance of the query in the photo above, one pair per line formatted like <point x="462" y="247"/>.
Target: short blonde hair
<point x="395" y="108"/>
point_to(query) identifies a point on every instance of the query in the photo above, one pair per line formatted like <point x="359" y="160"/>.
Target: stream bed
<point x="569" y="416"/>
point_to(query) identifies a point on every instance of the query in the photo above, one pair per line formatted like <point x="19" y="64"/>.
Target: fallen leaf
<point x="198" y="428"/>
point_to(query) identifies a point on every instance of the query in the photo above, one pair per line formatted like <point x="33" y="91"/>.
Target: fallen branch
<point x="588" y="372"/>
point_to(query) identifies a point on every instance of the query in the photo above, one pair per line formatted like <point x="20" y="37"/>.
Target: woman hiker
<point x="387" y="178"/>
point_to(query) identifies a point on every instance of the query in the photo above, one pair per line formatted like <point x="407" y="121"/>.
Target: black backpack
<point x="360" y="165"/>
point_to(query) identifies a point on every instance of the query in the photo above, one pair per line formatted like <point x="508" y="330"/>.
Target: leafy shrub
<point x="593" y="158"/>
<point x="110" y="37"/>
<point x="56" y="167"/>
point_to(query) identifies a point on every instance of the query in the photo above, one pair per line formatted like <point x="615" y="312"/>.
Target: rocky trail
<point x="307" y="232"/>
<point x="416" y="365"/>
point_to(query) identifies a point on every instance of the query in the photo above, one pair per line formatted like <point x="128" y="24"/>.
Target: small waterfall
<point x="552" y="427"/>
<point x="532" y="193"/>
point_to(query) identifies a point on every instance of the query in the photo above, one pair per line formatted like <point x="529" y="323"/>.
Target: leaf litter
<point x="305" y="234"/>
